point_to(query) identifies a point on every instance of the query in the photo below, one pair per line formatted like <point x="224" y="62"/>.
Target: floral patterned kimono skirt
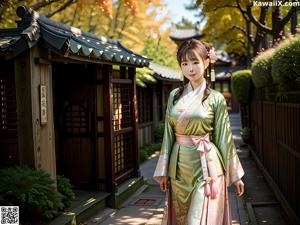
<point x="199" y="157"/>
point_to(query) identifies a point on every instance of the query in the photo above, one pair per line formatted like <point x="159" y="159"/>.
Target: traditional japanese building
<point x="181" y="35"/>
<point x="223" y="70"/>
<point x="68" y="105"/>
<point x="152" y="100"/>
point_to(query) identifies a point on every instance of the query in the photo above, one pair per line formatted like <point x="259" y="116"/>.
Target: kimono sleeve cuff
<point x="161" y="168"/>
<point x="235" y="170"/>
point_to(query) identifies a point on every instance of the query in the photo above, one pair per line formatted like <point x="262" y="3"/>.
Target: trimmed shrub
<point x="286" y="64"/>
<point x="241" y="85"/>
<point x="159" y="132"/>
<point x="261" y="69"/>
<point x="64" y="187"/>
<point x="32" y="190"/>
<point x="143" y="154"/>
<point x="148" y="150"/>
<point x="151" y="148"/>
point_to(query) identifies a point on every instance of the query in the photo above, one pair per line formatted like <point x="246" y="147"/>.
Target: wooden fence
<point x="275" y="123"/>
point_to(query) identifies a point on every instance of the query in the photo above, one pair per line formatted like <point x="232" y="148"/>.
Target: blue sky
<point x="177" y="10"/>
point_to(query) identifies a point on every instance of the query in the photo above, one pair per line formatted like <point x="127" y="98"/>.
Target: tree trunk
<point x="277" y="27"/>
<point x="294" y="22"/>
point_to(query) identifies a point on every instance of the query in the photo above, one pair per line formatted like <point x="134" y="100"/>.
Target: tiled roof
<point x="165" y="73"/>
<point x="183" y="34"/>
<point x="64" y="40"/>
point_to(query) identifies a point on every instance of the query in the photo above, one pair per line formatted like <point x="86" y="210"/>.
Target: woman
<point x="198" y="159"/>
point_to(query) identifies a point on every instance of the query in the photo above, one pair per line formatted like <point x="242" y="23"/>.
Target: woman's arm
<point x="166" y="147"/>
<point x="222" y="137"/>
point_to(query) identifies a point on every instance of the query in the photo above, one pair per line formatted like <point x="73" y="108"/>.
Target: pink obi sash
<point x="202" y="143"/>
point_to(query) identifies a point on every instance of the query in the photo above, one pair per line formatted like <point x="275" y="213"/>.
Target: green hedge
<point x="34" y="192"/>
<point x="241" y="85"/>
<point x="261" y="69"/>
<point x="286" y="64"/>
<point x="159" y="132"/>
<point x="30" y="189"/>
<point x="148" y="149"/>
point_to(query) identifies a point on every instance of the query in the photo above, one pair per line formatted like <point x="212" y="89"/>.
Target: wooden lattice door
<point x="123" y="139"/>
<point x="75" y="131"/>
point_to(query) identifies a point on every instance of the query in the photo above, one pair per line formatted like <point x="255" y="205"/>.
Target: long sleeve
<point x="222" y="138"/>
<point x="167" y="143"/>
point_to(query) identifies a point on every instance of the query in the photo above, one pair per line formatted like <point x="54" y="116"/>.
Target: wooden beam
<point x="80" y="59"/>
<point x="24" y="109"/>
<point x="122" y="81"/>
<point x="38" y="60"/>
<point x="154" y="105"/>
<point x="36" y="141"/>
<point x="136" y="159"/>
<point x="94" y="129"/>
<point x="108" y="138"/>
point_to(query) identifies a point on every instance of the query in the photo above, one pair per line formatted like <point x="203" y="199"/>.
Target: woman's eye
<point x="196" y="62"/>
<point x="184" y="64"/>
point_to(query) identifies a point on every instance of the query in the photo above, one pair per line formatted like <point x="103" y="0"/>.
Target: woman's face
<point x="193" y="67"/>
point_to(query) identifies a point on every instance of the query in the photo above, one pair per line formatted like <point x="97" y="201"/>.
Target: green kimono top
<point x="210" y="116"/>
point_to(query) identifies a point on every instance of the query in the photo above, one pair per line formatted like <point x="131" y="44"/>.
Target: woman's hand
<point x="239" y="187"/>
<point x="164" y="183"/>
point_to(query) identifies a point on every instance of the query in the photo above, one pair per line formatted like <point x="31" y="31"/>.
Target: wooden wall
<point x="100" y="152"/>
<point x="36" y="141"/>
<point x="275" y="123"/>
<point x="8" y="115"/>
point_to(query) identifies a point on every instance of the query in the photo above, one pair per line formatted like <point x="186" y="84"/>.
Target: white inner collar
<point x="199" y="89"/>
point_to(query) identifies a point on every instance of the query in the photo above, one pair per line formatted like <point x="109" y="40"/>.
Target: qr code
<point x="9" y="215"/>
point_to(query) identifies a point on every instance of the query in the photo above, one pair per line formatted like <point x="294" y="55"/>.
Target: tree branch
<point x="243" y="12"/>
<point x="90" y="26"/>
<point x="233" y="49"/>
<point x="222" y="7"/>
<point x="235" y="27"/>
<point x="256" y="22"/>
<point x="42" y="4"/>
<point x="74" y="16"/>
<point x="240" y="41"/>
<point x="116" y="17"/>
<point x="288" y="15"/>
<point x="240" y="7"/>
<point x="61" y="8"/>
<point x="124" y="24"/>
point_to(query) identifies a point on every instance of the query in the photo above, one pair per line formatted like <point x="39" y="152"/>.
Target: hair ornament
<point x="212" y="55"/>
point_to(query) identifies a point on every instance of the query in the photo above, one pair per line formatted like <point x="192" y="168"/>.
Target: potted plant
<point x="246" y="134"/>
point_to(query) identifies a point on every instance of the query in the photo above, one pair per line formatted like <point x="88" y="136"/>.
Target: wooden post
<point x="24" y="109"/>
<point x="154" y="104"/>
<point x="136" y="160"/>
<point x="36" y="142"/>
<point x="108" y="137"/>
<point x="163" y="102"/>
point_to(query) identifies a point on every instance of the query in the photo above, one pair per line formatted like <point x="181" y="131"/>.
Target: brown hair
<point x="188" y="49"/>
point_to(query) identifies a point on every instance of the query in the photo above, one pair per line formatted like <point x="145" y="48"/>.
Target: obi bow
<point x="203" y="145"/>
